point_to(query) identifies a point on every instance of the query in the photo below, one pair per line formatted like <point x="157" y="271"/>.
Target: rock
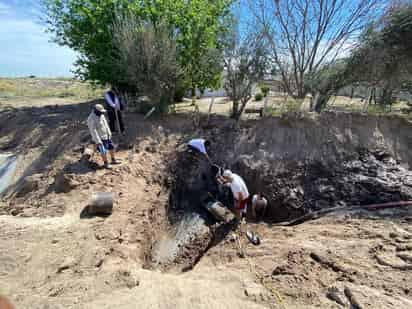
<point x="27" y="212"/>
<point x="123" y="278"/>
<point x="255" y="291"/>
<point x="366" y="297"/>
<point x="29" y="184"/>
<point x="220" y="212"/>
<point x="68" y="263"/>
<point x="407" y="257"/>
<point x="17" y="209"/>
<point x="150" y="149"/>
<point x="337" y="296"/>
<point x="393" y="235"/>
<point x="99" y="262"/>
<point x="64" y="183"/>
<point x="87" y="154"/>
<point x="282" y="270"/>
<point x="395" y="262"/>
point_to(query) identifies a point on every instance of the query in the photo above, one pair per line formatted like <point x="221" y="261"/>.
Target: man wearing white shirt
<point x="114" y="106"/>
<point x="239" y="190"/>
<point x="101" y="134"/>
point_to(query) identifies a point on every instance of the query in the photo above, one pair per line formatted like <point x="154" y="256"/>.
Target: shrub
<point x="265" y="91"/>
<point x="180" y="92"/>
<point x="258" y="96"/>
<point x="147" y="55"/>
<point x="86" y="27"/>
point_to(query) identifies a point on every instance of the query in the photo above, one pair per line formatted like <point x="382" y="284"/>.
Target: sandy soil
<point x="51" y="256"/>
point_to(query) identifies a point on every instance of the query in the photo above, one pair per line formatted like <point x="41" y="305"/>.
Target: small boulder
<point x="67" y="263"/>
<point x="124" y="278"/>
<point x="29" y="184"/>
<point x="255" y="291"/>
<point x="64" y="183"/>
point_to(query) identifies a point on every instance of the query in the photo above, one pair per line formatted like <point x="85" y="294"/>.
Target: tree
<point x="148" y="55"/>
<point x="397" y="32"/>
<point x="326" y="82"/>
<point x="200" y="23"/>
<point x="84" y="25"/>
<point x="383" y="58"/>
<point x="245" y="61"/>
<point x="305" y="35"/>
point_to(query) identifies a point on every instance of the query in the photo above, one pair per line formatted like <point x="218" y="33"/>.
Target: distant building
<point x="274" y="82"/>
<point x="208" y="93"/>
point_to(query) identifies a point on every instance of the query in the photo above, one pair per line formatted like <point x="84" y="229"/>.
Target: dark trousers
<point x="111" y="113"/>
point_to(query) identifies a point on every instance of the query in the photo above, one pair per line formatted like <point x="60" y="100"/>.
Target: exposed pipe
<point x="317" y="214"/>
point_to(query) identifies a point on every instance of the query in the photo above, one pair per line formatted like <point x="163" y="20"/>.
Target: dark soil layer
<point x="299" y="164"/>
<point x="302" y="187"/>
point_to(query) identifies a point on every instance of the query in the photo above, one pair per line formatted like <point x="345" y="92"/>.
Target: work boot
<point x="107" y="166"/>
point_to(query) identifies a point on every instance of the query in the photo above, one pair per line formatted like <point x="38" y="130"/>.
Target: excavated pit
<point x="300" y="165"/>
<point x="192" y="230"/>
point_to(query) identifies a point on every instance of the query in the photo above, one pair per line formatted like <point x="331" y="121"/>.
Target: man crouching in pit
<point x="239" y="190"/>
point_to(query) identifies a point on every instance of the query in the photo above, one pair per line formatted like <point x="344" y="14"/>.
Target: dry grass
<point x="42" y="87"/>
<point x="278" y="104"/>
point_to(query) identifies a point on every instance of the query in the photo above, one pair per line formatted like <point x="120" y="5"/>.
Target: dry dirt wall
<point x="327" y="137"/>
<point x="312" y="162"/>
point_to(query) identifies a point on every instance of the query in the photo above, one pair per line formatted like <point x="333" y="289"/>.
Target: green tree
<point x="149" y="55"/>
<point x="85" y="26"/>
<point x="200" y="24"/>
<point x="325" y="82"/>
<point x="383" y="60"/>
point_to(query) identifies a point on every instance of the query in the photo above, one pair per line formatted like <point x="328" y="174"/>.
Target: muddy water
<point x="8" y="163"/>
<point x="168" y="248"/>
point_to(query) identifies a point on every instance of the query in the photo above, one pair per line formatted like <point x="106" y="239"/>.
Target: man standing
<point x="239" y="191"/>
<point x="114" y="107"/>
<point x="101" y="134"/>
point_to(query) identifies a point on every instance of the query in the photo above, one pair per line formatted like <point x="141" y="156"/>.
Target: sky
<point x="25" y="48"/>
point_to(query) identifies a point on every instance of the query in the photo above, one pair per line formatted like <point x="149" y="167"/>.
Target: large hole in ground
<point x="192" y="229"/>
<point x="293" y="188"/>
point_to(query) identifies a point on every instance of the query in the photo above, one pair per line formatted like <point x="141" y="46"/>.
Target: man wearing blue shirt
<point x="199" y="145"/>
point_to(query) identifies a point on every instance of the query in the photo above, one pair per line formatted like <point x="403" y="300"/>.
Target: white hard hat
<point x="100" y="108"/>
<point x="228" y="174"/>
